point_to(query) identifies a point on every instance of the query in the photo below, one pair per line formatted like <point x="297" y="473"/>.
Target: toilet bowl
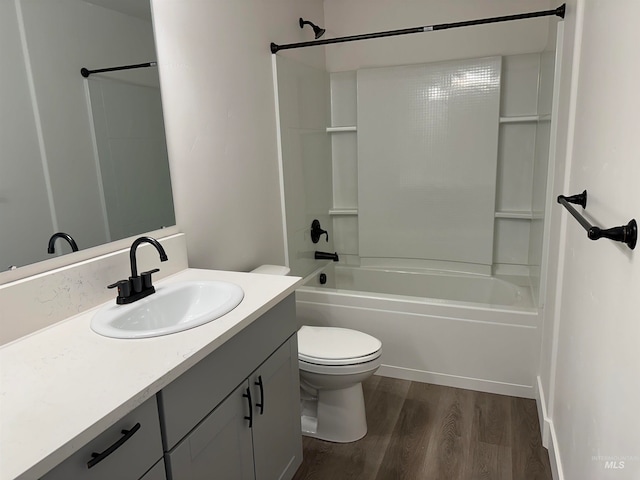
<point x="333" y="363"/>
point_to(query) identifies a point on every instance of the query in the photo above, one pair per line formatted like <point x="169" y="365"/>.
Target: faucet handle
<point x="146" y="278"/>
<point x="317" y="231"/>
<point x="123" y="286"/>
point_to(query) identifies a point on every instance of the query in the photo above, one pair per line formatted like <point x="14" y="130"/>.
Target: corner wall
<point x="590" y="362"/>
<point x="218" y="98"/>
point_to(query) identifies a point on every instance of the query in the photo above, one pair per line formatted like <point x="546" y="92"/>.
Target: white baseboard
<point x="548" y="432"/>
<point x="554" y="454"/>
<point x="543" y="418"/>
<point x="447" y="380"/>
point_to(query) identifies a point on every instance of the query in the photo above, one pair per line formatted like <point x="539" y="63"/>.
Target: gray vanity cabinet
<point x="233" y="415"/>
<point x="246" y="441"/>
<point x="236" y="414"/>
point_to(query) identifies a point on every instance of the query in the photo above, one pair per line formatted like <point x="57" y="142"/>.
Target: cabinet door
<point x="277" y="437"/>
<point x="219" y="447"/>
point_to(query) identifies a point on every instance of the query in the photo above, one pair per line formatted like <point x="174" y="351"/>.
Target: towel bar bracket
<point x="626" y="233"/>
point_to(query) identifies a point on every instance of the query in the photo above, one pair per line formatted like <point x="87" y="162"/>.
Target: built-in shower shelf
<point x="520" y="119"/>
<point x="515" y="214"/>
<point x="343" y="211"/>
<point x="350" y="128"/>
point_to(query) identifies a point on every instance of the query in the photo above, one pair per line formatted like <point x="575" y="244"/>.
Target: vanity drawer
<point x="193" y="395"/>
<point x="132" y="454"/>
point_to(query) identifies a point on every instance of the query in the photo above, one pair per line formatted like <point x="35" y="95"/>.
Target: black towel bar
<point x="626" y="233"/>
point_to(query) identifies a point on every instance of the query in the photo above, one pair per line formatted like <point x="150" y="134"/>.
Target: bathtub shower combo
<point x="430" y="183"/>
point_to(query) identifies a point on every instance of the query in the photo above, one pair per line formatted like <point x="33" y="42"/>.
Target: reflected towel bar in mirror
<point x="86" y="72"/>
<point x="626" y="233"/>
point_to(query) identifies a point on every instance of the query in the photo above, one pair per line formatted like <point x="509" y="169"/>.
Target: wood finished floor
<point x="419" y="431"/>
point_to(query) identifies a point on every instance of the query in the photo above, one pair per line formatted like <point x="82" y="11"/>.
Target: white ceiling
<point x="134" y="8"/>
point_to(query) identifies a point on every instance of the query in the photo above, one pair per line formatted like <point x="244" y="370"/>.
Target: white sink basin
<point x="173" y="308"/>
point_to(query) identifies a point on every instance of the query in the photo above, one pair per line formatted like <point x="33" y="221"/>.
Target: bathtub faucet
<point x="326" y="256"/>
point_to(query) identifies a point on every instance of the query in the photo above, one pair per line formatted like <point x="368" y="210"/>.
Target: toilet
<point x="333" y="364"/>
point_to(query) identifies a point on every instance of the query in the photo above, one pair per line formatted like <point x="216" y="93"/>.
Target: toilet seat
<point x="332" y="346"/>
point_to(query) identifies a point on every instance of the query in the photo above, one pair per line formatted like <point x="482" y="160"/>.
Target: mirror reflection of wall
<point x="83" y="156"/>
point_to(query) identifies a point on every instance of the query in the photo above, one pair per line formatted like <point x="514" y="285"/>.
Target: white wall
<point x="590" y="361"/>
<point x="218" y="97"/>
<point x="354" y="17"/>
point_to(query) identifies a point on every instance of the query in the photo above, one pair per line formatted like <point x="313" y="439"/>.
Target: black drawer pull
<point x="261" y="404"/>
<point x="250" y="417"/>
<point x="126" y="435"/>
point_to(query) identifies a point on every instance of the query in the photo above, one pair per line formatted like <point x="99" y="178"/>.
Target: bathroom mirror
<point x="84" y="156"/>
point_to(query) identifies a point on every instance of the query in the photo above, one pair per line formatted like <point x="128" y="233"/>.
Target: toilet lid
<point x="336" y="346"/>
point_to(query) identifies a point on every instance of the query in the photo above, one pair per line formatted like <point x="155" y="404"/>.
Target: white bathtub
<point x="467" y="331"/>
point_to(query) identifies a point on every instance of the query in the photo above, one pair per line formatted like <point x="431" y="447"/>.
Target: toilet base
<point x="335" y="415"/>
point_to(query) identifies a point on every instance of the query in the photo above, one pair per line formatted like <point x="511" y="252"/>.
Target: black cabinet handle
<point x="250" y="417"/>
<point x="261" y="404"/>
<point x="98" y="457"/>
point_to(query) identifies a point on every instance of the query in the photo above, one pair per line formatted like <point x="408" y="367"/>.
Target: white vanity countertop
<point x="64" y="385"/>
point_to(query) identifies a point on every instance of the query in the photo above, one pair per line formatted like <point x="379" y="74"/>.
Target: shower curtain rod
<point x="85" y="73"/>
<point x="544" y="13"/>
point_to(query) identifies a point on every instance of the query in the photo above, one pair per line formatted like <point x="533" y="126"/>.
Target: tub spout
<point x="326" y="256"/>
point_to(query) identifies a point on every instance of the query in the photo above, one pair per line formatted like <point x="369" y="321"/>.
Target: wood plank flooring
<point x="419" y="431"/>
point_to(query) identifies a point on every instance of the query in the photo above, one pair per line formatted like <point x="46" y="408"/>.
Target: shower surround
<point x="453" y="305"/>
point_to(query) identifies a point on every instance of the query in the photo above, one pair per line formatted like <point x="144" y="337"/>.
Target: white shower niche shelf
<point x="520" y="119"/>
<point x="344" y="211"/>
<point x="519" y="215"/>
<point x="350" y="128"/>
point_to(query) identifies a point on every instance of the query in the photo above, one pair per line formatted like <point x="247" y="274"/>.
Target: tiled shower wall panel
<point x="520" y="78"/>
<point x="427" y="155"/>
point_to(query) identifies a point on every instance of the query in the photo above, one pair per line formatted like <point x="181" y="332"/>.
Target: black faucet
<point x="317" y="231"/>
<point x="137" y="287"/>
<point x="66" y="236"/>
<point x="326" y="256"/>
